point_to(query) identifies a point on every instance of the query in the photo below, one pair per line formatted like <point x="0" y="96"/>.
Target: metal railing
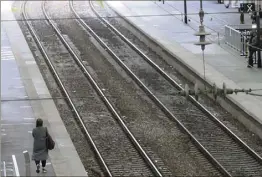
<point x="239" y="40"/>
<point x="233" y="38"/>
<point x="11" y="168"/>
<point x="3" y="170"/>
<point x="15" y="166"/>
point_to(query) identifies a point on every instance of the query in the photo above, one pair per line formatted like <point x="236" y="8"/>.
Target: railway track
<point x="163" y="142"/>
<point x="113" y="143"/>
<point x="162" y="58"/>
<point x="164" y="136"/>
<point x="223" y="148"/>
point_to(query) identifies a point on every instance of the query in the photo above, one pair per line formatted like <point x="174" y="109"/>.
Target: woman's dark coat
<point x="40" y="151"/>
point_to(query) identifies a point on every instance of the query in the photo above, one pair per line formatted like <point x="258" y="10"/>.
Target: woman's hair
<point x="39" y="122"/>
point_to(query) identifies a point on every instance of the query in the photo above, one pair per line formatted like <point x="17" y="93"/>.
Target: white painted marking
<point x="249" y="6"/>
<point x="25" y="106"/>
<point x="22" y="97"/>
<point x="19" y="87"/>
<point x="6" y="51"/>
<point x="30" y="62"/>
<point x="6" y="55"/>
<point x="7" y="59"/>
<point x="3" y="134"/>
<point x="17" y="78"/>
<point x="15" y="166"/>
<point x="24" y="123"/>
<point x="30" y="131"/>
<point x="28" y="118"/>
<point x="48" y="163"/>
<point x="176" y="12"/>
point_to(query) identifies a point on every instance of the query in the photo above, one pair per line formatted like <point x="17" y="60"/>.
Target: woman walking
<point x="40" y="151"/>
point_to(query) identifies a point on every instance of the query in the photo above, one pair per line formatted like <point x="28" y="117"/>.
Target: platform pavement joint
<point x="178" y="40"/>
<point x="22" y="81"/>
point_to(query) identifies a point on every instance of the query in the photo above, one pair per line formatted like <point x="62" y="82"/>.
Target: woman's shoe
<point x="44" y="170"/>
<point x="37" y="168"/>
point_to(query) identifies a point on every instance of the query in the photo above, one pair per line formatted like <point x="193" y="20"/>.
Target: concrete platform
<point x="178" y="39"/>
<point x="22" y="93"/>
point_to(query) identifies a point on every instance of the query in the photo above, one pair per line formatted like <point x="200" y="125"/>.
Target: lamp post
<point x="185" y="11"/>
<point x="258" y="41"/>
<point x="242" y="18"/>
<point x="202" y="35"/>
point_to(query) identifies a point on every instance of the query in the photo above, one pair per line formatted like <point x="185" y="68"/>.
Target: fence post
<point x="247" y="43"/>
<point x="242" y="38"/>
<point x="27" y="163"/>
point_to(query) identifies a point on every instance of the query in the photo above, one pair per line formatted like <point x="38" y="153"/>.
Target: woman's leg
<point x="43" y="166"/>
<point x="43" y="163"/>
<point x="37" y="162"/>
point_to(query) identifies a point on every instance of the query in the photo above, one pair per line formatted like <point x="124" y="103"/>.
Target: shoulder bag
<point x="50" y="144"/>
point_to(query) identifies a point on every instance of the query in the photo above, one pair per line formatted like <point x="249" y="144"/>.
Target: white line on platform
<point x="7" y="59"/>
<point x="9" y="163"/>
<point x="19" y="87"/>
<point x="24" y="123"/>
<point x="25" y="106"/>
<point x="3" y="134"/>
<point x="30" y="131"/>
<point x="17" y="78"/>
<point x="6" y="51"/>
<point x="3" y="55"/>
<point x="22" y="97"/>
<point x="7" y="56"/>
<point x="28" y="118"/>
<point x="30" y="62"/>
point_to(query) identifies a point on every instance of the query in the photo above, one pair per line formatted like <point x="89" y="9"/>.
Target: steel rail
<point x="153" y="97"/>
<point x="178" y="86"/>
<point x="104" y="98"/>
<point x="57" y="78"/>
